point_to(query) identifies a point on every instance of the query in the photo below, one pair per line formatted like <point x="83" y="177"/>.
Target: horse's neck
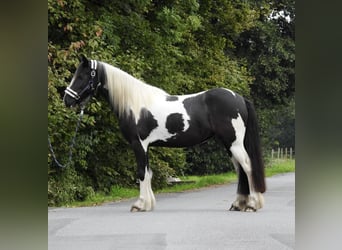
<point x="128" y="94"/>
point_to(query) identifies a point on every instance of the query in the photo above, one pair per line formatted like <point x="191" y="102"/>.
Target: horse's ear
<point x="83" y="59"/>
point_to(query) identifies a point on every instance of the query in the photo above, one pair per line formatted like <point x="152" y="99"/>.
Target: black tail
<point x="253" y="147"/>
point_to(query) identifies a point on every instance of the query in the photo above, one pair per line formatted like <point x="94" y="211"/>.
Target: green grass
<point x="191" y="182"/>
<point x="199" y="182"/>
<point x="116" y="194"/>
<point x="279" y="167"/>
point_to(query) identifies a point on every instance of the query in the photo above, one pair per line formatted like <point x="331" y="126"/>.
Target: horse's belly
<point x="184" y="139"/>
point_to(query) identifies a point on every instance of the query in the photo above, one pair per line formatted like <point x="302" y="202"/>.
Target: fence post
<point x="285" y="153"/>
<point x="278" y="154"/>
<point x="291" y="153"/>
<point x="272" y="152"/>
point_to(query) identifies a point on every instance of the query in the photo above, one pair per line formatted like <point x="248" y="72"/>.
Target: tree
<point x="269" y="49"/>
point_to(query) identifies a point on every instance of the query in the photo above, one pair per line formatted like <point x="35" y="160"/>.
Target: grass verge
<point x="191" y="182"/>
<point x="279" y="167"/>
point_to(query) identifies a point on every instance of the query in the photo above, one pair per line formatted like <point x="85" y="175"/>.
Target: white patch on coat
<point x="237" y="148"/>
<point x="240" y="129"/>
<point x="161" y="109"/>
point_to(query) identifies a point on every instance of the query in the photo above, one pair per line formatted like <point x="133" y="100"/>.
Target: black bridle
<point x="90" y="86"/>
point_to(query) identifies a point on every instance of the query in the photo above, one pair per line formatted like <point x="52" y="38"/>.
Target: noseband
<point x="72" y="93"/>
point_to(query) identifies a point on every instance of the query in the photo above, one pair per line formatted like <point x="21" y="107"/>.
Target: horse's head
<point x="83" y="84"/>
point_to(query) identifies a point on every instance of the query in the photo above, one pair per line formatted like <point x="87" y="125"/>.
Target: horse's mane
<point x="128" y="93"/>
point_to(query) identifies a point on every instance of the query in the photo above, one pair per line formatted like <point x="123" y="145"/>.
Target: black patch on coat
<point x="171" y="98"/>
<point x="146" y="123"/>
<point x="174" y="123"/>
<point x="214" y="110"/>
<point x="128" y="127"/>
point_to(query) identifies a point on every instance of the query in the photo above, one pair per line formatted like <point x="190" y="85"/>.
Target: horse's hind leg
<point x="243" y="189"/>
<point x="255" y="199"/>
<point x="232" y="135"/>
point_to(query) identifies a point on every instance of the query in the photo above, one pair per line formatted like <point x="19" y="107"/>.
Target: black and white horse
<point x="148" y="116"/>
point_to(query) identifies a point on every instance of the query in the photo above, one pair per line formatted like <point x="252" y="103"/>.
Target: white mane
<point x="128" y="93"/>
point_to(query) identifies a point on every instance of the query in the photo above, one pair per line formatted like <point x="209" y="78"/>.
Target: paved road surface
<point x="190" y="220"/>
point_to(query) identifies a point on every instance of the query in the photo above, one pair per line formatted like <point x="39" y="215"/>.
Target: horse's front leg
<point x="146" y="200"/>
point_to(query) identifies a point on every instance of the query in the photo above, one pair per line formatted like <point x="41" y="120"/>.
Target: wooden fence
<point x="282" y="153"/>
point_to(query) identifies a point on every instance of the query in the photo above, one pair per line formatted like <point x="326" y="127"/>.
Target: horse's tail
<point x="253" y="148"/>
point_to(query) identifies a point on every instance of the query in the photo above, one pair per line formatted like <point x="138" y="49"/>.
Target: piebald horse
<point x="148" y="116"/>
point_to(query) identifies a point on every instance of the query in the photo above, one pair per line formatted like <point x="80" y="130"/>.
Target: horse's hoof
<point x="250" y="209"/>
<point x="136" y="209"/>
<point x="234" y="208"/>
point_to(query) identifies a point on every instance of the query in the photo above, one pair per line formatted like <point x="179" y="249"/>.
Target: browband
<point x="93" y="64"/>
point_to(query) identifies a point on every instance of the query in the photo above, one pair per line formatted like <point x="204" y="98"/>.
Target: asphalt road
<point x="190" y="220"/>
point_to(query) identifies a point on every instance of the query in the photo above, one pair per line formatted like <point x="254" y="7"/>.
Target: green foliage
<point x="208" y="158"/>
<point x="269" y="51"/>
<point x="180" y="46"/>
<point x="281" y="132"/>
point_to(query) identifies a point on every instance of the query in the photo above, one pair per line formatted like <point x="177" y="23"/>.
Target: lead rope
<point x="72" y="144"/>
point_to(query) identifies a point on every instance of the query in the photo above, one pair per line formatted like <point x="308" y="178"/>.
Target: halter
<point x="72" y="93"/>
